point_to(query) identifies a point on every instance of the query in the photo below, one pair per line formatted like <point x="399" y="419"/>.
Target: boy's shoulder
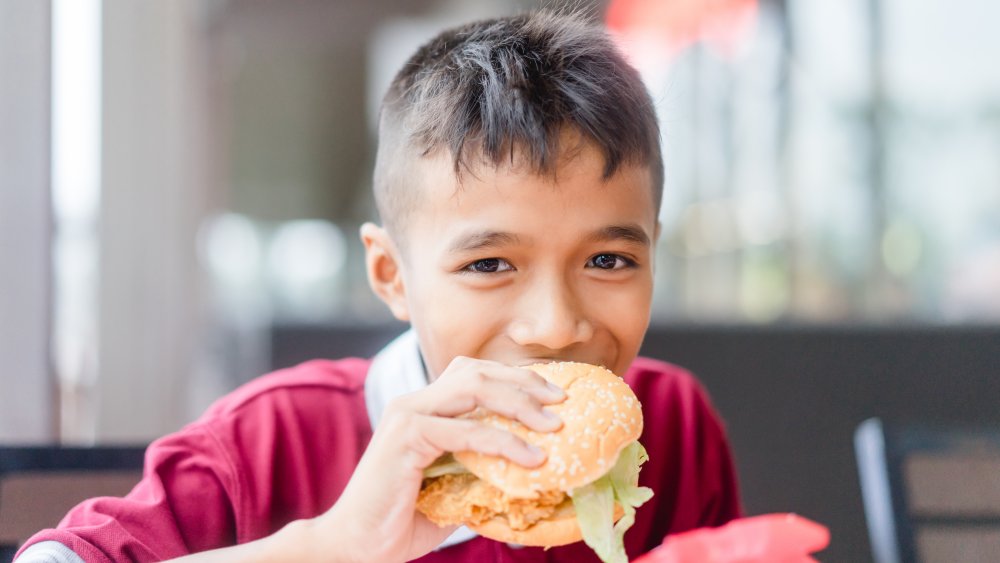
<point x="314" y="380"/>
<point x="645" y="372"/>
<point x="659" y="384"/>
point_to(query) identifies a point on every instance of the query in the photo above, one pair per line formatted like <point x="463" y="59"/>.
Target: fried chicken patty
<point x="464" y="498"/>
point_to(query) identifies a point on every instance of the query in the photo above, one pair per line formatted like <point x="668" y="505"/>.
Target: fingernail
<point x="536" y="452"/>
<point x="552" y="417"/>
<point x="555" y="389"/>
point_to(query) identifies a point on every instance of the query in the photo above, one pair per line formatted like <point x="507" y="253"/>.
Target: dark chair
<point x="39" y="484"/>
<point x="930" y="494"/>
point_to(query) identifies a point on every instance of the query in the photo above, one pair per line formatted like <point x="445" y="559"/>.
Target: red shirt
<point x="283" y="447"/>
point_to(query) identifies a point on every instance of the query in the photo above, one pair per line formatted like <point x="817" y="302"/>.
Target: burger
<point x="587" y="488"/>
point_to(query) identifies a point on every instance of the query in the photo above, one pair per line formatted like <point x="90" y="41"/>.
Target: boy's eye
<point x="489" y="266"/>
<point x="609" y="262"/>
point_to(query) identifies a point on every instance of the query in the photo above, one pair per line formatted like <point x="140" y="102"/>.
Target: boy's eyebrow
<point x="630" y="232"/>
<point x="480" y="240"/>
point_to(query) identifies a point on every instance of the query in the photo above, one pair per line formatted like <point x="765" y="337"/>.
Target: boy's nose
<point x="552" y="319"/>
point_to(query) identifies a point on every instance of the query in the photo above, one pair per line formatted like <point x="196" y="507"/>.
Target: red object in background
<point x="677" y="24"/>
<point x="772" y="538"/>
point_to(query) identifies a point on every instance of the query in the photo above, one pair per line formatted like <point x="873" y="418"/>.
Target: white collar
<point x="396" y="370"/>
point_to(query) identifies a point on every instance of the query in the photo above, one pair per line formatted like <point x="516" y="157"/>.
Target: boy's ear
<point x="384" y="267"/>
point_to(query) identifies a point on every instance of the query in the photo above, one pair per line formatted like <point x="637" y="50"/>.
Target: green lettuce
<point x="444" y="465"/>
<point x="595" y="505"/>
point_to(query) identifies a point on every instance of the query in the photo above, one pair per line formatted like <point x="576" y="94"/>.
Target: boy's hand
<point x="375" y="519"/>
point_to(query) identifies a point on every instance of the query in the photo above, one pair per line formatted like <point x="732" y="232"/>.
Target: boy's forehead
<point x="435" y="179"/>
<point x="444" y="197"/>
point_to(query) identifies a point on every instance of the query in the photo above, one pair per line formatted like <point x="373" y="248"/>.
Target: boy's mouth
<point x="522" y="362"/>
<point x="530" y="361"/>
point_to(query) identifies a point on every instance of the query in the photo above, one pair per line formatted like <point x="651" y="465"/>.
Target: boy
<point x="518" y="180"/>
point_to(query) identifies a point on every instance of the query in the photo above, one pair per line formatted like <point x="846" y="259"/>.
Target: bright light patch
<point x="76" y="196"/>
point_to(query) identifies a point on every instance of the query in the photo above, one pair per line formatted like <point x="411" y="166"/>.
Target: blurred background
<point x="181" y="185"/>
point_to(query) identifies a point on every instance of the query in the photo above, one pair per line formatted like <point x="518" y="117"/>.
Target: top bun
<point x="601" y="415"/>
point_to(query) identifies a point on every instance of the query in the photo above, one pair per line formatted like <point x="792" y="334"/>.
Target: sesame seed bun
<point x="601" y="415"/>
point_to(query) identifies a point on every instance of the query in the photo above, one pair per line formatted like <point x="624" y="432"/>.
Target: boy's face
<point x="519" y="268"/>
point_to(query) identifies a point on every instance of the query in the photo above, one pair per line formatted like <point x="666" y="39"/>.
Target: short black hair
<point x="494" y="87"/>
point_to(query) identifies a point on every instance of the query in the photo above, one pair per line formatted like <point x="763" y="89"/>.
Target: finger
<point x="459" y="435"/>
<point x="534" y="384"/>
<point x="476" y="383"/>
<point x="498" y="396"/>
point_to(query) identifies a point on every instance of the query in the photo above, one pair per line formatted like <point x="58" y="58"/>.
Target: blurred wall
<point x="155" y="191"/>
<point x="792" y="397"/>
<point x="25" y="378"/>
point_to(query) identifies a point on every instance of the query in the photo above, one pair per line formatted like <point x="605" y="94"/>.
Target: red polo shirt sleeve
<point x="278" y="449"/>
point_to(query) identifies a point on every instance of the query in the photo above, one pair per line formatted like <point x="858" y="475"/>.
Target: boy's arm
<point x="281" y="546"/>
<point x="182" y="504"/>
<point x="375" y="517"/>
<point x="294" y="542"/>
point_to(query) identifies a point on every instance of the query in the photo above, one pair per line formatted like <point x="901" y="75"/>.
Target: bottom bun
<point x="560" y="528"/>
